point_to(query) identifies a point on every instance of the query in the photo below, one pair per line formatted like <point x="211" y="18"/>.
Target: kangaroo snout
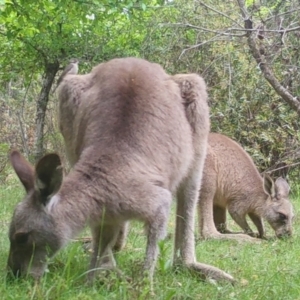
<point x="283" y="233"/>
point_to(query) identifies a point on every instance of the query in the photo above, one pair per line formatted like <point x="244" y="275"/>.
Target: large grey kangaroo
<point x="232" y="182"/>
<point x="134" y="135"/>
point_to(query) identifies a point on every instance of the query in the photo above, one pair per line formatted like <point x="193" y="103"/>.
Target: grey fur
<point x="135" y="136"/>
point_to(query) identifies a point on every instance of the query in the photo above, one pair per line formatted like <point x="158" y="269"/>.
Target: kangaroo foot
<point x="234" y="236"/>
<point x="209" y="272"/>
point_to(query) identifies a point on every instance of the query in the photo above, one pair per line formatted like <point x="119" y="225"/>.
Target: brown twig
<point x="283" y="167"/>
<point x="264" y="66"/>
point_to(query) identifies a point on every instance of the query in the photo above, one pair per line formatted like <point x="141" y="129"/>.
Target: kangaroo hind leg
<point x="184" y="251"/>
<point x="157" y="227"/>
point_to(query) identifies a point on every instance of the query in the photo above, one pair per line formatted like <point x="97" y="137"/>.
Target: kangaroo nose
<point x="284" y="234"/>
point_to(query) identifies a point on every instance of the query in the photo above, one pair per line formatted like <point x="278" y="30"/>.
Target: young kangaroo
<point x="134" y="136"/>
<point x="231" y="181"/>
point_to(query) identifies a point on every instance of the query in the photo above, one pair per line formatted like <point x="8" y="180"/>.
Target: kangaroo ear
<point x="23" y="169"/>
<point x="269" y="185"/>
<point x="48" y="176"/>
<point x="282" y="188"/>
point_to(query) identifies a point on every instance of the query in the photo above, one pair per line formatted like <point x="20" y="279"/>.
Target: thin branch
<point x="281" y="14"/>
<point x="187" y="25"/>
<point x="38" y="50"/>
<point x="220" y="13"/>
<point x="209" y="65"/>
<point x="286" y="166"/>
<point x="199" y="45"/>
<point x="228" y="31"/>
<point x="23" y="136"/>
<point x="243" y="9"/>
<point x="264" y="66"/>
<point x="267" y="30"/>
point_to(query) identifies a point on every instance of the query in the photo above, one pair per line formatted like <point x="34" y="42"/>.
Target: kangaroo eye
<point x="282" y="216"/>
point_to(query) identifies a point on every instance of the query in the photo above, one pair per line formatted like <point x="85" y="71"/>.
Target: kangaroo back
<point x="120" y="116"/>
<point x="134" y="135"/>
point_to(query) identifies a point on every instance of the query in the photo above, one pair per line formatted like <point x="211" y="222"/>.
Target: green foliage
<point x="38" y="37"/>
<point x="243" y="105"/>
<point x="39" y="32"/>
<point x="4" y="147"/>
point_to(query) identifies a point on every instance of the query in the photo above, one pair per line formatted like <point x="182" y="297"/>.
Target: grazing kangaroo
<point x="134" y="135"/>
<point x="231" y="181"/>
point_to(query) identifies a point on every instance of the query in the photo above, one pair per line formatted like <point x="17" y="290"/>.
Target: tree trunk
<point x="41" y="107"/>
<point x="291" y="100"/>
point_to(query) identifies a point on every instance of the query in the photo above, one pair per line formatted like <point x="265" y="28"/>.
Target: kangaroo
<point x="134" y="136"/>
<point x="231" y="181"/>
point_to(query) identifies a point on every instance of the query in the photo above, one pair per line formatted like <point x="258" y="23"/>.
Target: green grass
<point x="269" y="270"/>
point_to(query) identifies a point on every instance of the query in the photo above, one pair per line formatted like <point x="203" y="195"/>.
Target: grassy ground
<point x="269" y="270"/>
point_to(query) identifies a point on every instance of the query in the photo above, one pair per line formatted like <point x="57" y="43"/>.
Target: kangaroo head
<point x="32" y="233"/>
<point x="279" y="210"/>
